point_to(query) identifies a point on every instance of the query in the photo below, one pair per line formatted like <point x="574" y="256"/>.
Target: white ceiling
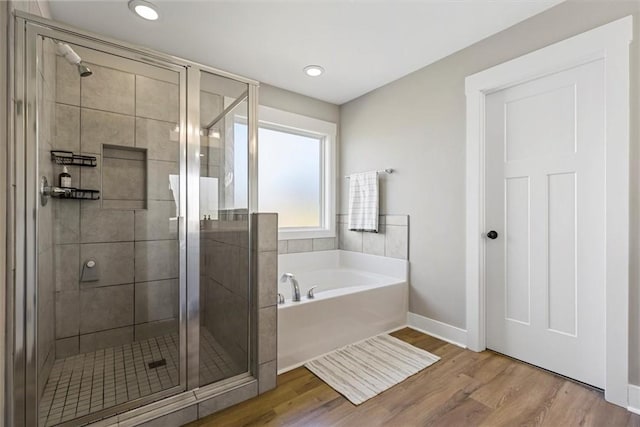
<point x="362" y="44"/>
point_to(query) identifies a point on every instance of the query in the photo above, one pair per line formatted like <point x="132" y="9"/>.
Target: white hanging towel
<point x="363" y="201"/>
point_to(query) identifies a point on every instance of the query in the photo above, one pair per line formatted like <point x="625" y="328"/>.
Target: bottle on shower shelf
<point x="65" y="178"/>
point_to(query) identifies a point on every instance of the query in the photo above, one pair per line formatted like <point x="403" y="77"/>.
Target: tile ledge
<point x="214" y="390"/>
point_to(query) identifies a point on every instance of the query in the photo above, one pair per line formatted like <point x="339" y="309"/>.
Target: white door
<point x="545" y="198"/>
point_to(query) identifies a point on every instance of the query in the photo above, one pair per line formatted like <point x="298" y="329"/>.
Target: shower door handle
<point x="180" y="222"/>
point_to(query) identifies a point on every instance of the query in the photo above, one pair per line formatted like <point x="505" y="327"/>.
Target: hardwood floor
<point x="463" y="389"/>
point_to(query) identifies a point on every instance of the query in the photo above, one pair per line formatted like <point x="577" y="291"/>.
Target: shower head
<point x="72" y="57"/>
<point x="84" y="70"/>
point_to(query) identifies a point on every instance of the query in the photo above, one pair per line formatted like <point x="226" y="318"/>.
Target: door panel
<point x="517" y="285"/>
<point x="561" y="285"/>
<point x="545" y="197"/>
<point x="540" y="124"/>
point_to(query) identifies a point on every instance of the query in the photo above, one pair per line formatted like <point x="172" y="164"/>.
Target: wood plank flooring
<point x="463" y="389"/>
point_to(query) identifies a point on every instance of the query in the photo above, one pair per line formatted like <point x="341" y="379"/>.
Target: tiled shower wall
<point x="224" y="283"/>
<point x="132" y="231"/>
<point x="46" y="286"/>
<point x="392" y="240"/>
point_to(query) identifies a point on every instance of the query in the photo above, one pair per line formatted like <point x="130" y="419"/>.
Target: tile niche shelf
<point x="68" y="158"/>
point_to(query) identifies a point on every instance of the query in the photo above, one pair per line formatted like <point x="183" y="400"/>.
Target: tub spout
<point x="294" y="285"/>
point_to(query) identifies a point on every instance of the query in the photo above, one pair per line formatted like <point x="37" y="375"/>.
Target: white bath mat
<point x="363" y="370"/>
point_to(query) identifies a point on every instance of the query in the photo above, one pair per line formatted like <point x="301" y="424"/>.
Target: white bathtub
<point x="357" y="296"/>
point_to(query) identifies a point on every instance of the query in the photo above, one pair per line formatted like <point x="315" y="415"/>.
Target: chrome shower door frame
<point x="193" y="221"/>
<point x="23" y="391"/>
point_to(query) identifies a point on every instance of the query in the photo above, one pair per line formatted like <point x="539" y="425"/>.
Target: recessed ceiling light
<point x="313" y="70"/>
<point x="144" y="9"/>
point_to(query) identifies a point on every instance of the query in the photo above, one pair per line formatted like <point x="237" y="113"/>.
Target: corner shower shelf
<point x="68" y="158"/>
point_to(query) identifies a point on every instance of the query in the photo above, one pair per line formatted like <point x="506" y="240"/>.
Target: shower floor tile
<point x="86" y="383"/>
<point x="215" y="362"/>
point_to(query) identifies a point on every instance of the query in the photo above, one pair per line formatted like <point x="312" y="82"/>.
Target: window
<point x="296" y="173"/>
<point x="290" y="171"/>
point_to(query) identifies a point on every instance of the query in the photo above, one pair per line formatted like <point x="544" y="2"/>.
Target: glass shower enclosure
<point x="132" y="233"/>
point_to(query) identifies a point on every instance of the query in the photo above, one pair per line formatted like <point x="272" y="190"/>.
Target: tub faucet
<point x="310" y="294"/>
<point x="294" y="285"/>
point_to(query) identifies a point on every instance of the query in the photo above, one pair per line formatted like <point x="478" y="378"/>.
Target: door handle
<point x="492" y="234"/>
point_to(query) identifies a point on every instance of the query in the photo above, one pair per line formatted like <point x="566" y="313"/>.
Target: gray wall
<point x="292" y="102"/>
<point x="417" y="126"/>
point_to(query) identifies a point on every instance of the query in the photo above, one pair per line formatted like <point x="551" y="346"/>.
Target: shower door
<point x="104" y="283"/>
<point x="223" y="219"/>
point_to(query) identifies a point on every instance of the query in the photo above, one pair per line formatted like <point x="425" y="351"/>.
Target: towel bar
<point x="380" y="171"/>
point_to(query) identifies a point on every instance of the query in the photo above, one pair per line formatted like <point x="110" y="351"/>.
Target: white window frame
<point x="284" y="121"/>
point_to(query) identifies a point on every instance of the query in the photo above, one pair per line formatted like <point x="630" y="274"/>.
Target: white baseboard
<point x="438" y="329"/>
<point x="634" y="399"/>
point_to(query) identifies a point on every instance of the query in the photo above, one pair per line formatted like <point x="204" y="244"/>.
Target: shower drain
<point x="157" y="363"/>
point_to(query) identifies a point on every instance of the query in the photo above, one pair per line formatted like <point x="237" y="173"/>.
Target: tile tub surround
<point x="125" y="119"/>
<point x="392" y="240"/>
<point x="307" y="245"/>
